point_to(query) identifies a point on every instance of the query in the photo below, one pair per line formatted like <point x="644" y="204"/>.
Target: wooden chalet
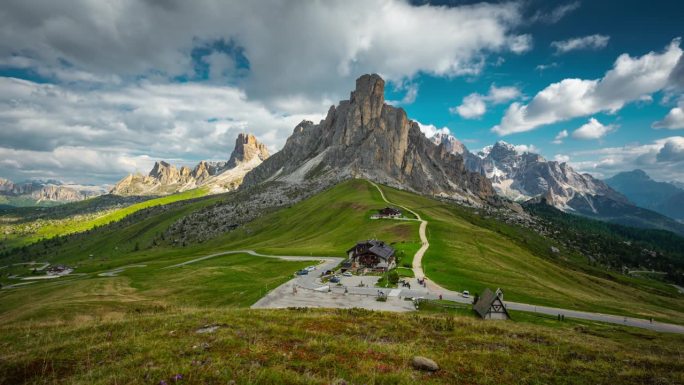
<point x="389" y="212"/>
<point x="490" y="305"/>
<point x="371" y="254"/>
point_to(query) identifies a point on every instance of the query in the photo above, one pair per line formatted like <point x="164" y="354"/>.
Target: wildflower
<point x="177" y="377"/>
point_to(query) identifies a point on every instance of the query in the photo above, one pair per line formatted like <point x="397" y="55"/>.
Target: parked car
<point x="311" y="268"/>
<point x="302" y="272"/>
<point x="465" y="294"/>
<point x="335" y="279"/>
<point x="347" y="274"/>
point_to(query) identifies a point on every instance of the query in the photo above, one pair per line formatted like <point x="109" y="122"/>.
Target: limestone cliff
<point x="364" y="137"/>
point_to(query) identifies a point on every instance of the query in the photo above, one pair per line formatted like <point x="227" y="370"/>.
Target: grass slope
<point x="45" y="229"/>
<point x="303" y="346"/>
<point x="469" y="252"/>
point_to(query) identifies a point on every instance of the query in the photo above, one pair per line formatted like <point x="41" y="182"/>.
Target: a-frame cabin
<point x="490" y="305"/>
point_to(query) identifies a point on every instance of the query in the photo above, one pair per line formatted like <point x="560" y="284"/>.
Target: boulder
<point x="424" y="363"/>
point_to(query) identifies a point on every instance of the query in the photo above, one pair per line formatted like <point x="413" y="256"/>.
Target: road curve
<point x="417" y="265"/>
<point x="435" y="290"/>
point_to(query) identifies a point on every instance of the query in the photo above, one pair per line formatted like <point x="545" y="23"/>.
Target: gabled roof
<point x="485" y="301"/>
<point x="379" y="248"/>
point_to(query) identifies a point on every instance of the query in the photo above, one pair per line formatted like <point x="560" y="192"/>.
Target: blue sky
<point x="91" y="91"/>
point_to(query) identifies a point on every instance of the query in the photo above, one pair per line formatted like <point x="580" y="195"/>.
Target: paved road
<point x="434" y="291"/>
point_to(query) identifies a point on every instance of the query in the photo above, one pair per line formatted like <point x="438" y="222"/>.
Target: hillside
<point x="122" y="288"/>
<point x="467" y="251"/>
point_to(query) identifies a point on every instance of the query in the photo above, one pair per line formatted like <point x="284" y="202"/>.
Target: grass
<point x="45" y="229"/>
<point x="302" y="346"/>
<point x="469" y="252"/>
<point x="139" y="327"/>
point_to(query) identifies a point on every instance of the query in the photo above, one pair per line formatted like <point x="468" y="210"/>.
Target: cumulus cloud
<point x="338" y="42"/>
<point x="523" y="148"/>
<point x="430" y="130"/>
<point x="663" y="159"/>
<point x="184" y="122"/>
<point x="560" y="158"/>
<point x="592" y="42"/>
<point x="474" y="105"/>
<point x="674" y="119"/>
<point x="672" y="151"/>
<point x="629" y="80"/>
<point x="410" y="94"/>
<point x="560" y="136"/>
<point x="593" y="129"/>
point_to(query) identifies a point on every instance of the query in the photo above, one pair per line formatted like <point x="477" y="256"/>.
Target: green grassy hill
<point x="45" y="228"/>
<point x="138" y="326"/>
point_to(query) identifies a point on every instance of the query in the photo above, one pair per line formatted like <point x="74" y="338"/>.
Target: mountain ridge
<point x="165" y="178"/>
<point x="364" y="137"/>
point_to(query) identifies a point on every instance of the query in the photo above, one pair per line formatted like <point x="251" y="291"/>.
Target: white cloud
<point x="342" y="39"/>
<point x="674" y="119"/>
<point x="662" y="159"/>
<point x="544" y="67"/>
<point x="629" y="80"/>
<point x="560" y="136"/>
<point x="430" y="129"/>
<point x="592" y="42"/>
<point x="523" y="148"/>
<point x="560" y="158"/>
<point x="410" y="94"/>
<point x="593" y="129"/>
<point x="180" y="122"/>
<point x="475" y="105"/>
<point x="557" y="13"/>
<point x="672" y="151"/>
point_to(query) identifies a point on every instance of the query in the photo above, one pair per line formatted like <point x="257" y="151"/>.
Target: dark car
<point x="302" y="272"/>
<point x="335" y="279"/>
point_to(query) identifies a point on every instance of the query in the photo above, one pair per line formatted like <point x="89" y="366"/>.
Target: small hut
<point x="371" y="254"/>
<point x="389" y="212"/>
<point x="490" y="305"/>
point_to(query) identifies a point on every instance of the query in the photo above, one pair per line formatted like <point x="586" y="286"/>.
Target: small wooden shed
<point x="490" y="305"/>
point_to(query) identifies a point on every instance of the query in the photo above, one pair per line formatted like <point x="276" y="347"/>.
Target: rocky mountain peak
<point x="365" y="138"/>
<point x="164" y="172"/>
<point x="247" y="148"/>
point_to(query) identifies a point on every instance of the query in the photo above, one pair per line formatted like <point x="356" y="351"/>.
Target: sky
<point x="91" y="90"/>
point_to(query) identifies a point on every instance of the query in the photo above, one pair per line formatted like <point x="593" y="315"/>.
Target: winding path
<point x="417" y="265"/>
<point x="433" y="288"/>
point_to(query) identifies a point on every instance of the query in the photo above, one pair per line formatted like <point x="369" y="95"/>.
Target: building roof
<point x="379" y="248"/>
<point x="485" y="301"/>
<point x="389" y="211"/>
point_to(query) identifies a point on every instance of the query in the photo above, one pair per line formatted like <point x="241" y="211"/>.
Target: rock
<point x="365" y="138"/>
<point x="165" y="178"/>
<point x="51" y="190"/>
<point x="247" y="148"/>
<point x="521" y="176"/>
<point x="555" y="250"/>
<point x="424" y="363"/>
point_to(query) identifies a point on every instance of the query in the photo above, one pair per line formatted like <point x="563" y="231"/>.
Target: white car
<point x="347" y="274"/>
<point x="311" y="268"/>
<point x="465" y="294"/>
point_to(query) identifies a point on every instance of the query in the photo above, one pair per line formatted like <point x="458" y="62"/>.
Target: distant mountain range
<point x="38" y="193"/>
<point x="526" y="176"/>
<point x="165" y="178"/>
<point x="662" y="197"/>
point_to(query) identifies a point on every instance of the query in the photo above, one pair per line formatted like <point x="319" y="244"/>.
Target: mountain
<point x="528" y="177"/>
<point x="165" y="178"/>
<point x="521" y="176"/>
<point x="37" y="193"/>
<point x="364" y="137"/>
<point x="662" y="197"/>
